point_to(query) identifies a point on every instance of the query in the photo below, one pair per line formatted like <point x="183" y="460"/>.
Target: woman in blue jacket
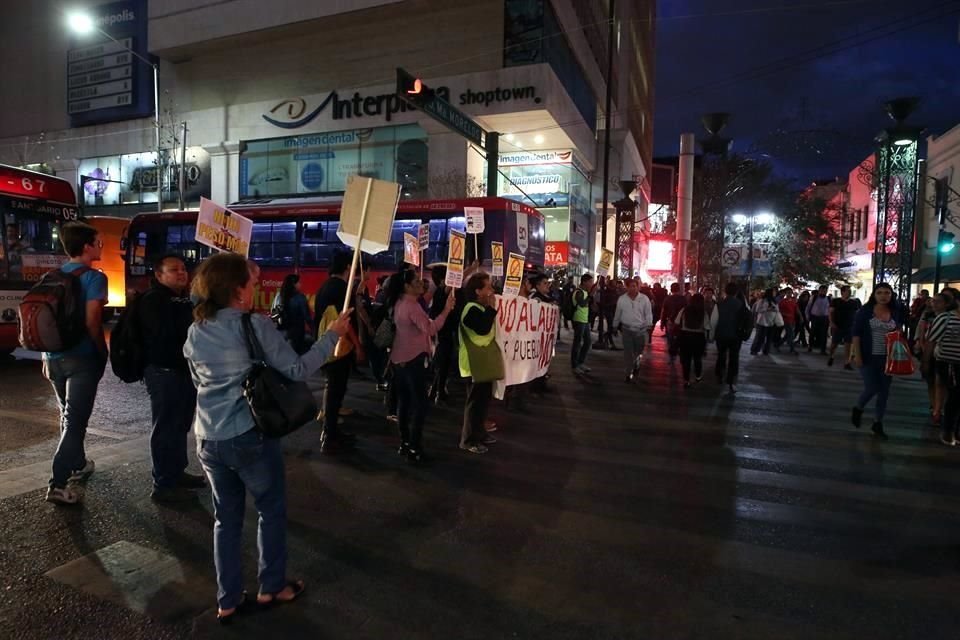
<point x="882" y="314"/>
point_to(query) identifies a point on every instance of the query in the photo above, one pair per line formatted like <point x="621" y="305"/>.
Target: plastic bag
<point x="899" y="361"/>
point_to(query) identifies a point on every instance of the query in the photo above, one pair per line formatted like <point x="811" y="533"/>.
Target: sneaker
<point x="489" y="425"/>
<point x="948" y="440"/>
<point x="382" y="386"/>
<point x="344" y="411"/>
<point x="489" y="439"/>
<point x="855" y="415"/>
<point x="393" y="418"/>
<point x="191" y="481"/>
<point x="877" y="429"/>
<point x="578" y="371"/>
<point x="629" y="379"/>
<point x="474" y="448"/>
<point x="83" y="474"/>
<point x="699" y="379"/>
<point x="172" y="495"/>
<point x="585" y="368"/>
<point x="404" y="449"/>
<point x="65" y="495"/>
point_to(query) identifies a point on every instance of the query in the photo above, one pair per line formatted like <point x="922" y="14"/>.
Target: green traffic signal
<point x="946" y="243"/>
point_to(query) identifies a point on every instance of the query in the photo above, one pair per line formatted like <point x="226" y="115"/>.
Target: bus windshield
<point x="30" y="246"/>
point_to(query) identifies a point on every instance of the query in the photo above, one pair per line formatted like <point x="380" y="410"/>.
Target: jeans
<point x="410" y="380"/>
<point x="789" y="336"/>
<point x="475" y="411"/>
<point x="875" y="383"/>
<point x="634" y="342"/>
<point x="442" y="360"/>
<point x="818" y="332"/>
<point x="338" y="374"/>
<point x="692" y="345"/>
<point x="673" y="341"/>
<point x="581" y="344"/>
<point x="377" y="358"/>
<point x="728" y="348"/>
<point x="762" y="339"/>
<point x="801" y="331"/>
<point x="950" y="378"/>
<point x="75" y="381"/>
<point x="248" y="462"/>
<point x="173" y="400"/>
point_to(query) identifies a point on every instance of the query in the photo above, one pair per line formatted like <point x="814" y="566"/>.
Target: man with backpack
<point x="163" y="316"/>
<point x="76" y="367"/>
<point x="734" y="324"/>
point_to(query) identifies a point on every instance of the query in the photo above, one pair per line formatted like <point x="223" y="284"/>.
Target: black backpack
<point x="52" y="313"/>
<point x="127" y="358"/>
<point x="744" y="323"/>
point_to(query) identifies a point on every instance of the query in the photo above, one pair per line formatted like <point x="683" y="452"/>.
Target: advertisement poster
<point x="527" y="334"/>
<point x="606" y="258"/>
<point x="523" y="232"/>
<point x="37" y="264"/>
<point x="496" y="250"/>
<point x="474" y="219"/>
<point x="455" y="258"/>
<point x="511" y="286"/>
<point x="556" y="254"/>
<point x="411" y="249"/>
<point x="222" y="229"/>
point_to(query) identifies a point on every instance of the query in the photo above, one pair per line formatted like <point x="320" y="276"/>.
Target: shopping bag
<point x="899" y="362"/>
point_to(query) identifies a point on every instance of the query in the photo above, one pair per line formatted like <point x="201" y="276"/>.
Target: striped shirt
<point x="945" y="332"/>
<point x="878" y="332"/>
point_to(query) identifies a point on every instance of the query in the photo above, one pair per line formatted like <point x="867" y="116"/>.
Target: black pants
<point x="410" y="380"/>
<point x="442" y="359"/>
<point x="475" y="412"/>
<point x="173" y="400"/>
<point x="338" y="374"/>
<point x="692" y="345"/>
<point x="727" y="371"/>
<point x="818" y="332"/>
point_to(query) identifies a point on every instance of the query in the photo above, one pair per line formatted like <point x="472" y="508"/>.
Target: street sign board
<point x="412" y="90"/>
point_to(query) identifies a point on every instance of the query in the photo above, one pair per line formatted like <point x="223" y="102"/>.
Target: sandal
<point x="296" y="586"/>
<point x="474" y="448"/>
<point x="244" y="606"/>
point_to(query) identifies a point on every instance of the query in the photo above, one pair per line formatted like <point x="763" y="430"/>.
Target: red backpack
<point x="52" y="314"/>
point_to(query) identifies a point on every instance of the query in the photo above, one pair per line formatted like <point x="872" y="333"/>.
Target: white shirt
<point x="634" y="313"/>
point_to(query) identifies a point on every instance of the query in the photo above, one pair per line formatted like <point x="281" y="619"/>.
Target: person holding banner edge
<point x="480" y="360"/>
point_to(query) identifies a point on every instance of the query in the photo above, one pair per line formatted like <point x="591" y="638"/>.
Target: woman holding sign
<point x="410" y="357"/>
<point x="480" y="359"/>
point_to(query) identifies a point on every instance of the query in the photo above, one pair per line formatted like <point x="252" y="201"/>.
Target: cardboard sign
<point x="474" y="219"/>
<point x="523" y="232"/>
<point x="606" y="258"/>
<point x="381" y="198"/>
<point x="424" y="236"/>
<point x="411" y="249"/>
<point x="527" y="335"/>
<point x="496" y="251"/>
<point x="511" y="285"/>
<point x="222" y="229"/>
<point x="455" y="258"/>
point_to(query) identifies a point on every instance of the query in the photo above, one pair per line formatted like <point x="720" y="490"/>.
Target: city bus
<point x="32" y="206"/>
<point x="300" y="236"/>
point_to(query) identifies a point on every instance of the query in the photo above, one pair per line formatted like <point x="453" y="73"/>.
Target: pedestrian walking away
<point x="291" y="311"/>
<point x="633" y="318"/>
<point x="164" y="316"/>
<point x="842" y="312"/>
<point x="881" y="315"/>
<point x="672" y="306"/>
<point x="818" y="312"/>
<point x="734" y="322"/>
<point x="582" y="300"/>
<point x="76" y="371"/>
<point x="236" y="457"/>
<point x="693" y="326"/>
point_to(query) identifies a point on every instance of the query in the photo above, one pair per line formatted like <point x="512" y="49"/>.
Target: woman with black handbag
<point x="410" y="358"/>
<point x="236" y="455"/>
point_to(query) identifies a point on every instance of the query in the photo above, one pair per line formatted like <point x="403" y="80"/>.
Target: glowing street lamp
<point x="82" y="24"/>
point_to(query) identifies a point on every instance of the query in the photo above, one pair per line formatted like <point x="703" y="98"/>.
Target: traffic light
<point x="946" y="242"/>
<point x="412" y="89"/>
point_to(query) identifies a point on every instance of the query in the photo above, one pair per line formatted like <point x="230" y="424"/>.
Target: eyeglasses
<point x="98" y="244"/>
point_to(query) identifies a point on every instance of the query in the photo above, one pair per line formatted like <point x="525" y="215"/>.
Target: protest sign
<point x="455" y="259"/>
<point x="222" y="229"/>
<point x="411" y="249"/>
<point x="606" y="258"/>
<point x="496" y="251"/>
<point x="474" y="219"/>
<point x="511" y="286"/>
<point x="424" y="236"/>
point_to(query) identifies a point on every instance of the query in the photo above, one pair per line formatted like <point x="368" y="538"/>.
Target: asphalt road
<point x="608" y="511"/>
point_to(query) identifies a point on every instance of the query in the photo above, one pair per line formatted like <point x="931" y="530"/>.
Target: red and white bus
<point x="300" y="236"/>
<point x="32" y="206"/>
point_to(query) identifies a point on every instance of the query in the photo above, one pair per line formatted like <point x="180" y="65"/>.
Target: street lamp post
<point x="83" y="24"/>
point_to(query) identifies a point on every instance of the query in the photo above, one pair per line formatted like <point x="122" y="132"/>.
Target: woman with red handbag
<point x="883" y="314"/>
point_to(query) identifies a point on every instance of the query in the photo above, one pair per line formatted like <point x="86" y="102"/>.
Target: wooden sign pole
<point x="356" y="250"/>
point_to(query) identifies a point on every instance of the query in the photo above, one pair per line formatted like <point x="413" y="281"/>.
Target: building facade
<point x="289" y="102"/>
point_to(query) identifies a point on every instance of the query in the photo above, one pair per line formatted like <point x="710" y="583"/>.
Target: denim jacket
<point x="219" y="363"/>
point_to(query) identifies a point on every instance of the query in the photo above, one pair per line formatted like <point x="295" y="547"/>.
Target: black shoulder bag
<point x="279" y="405"/>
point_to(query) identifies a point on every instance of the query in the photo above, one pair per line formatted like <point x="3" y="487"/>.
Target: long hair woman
<point x="480" y="360"/>
<point x="765" y="312"/>
<point x="410" y="358"/>
<point x="294" y="313"/>
<point x="694" y="326"/>
<point x="236" y="457"/>
<point x="882" y="314"/>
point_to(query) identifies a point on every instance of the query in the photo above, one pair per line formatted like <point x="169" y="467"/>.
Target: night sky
<point x="801" y="80"/>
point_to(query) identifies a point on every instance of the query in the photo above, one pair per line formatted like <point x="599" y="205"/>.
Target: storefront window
<point x="320" y="163"/>
<point x="132" y="178"/>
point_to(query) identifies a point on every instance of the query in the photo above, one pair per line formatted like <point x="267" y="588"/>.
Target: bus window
<point x="273" y="244"/>
<point x="30" y="246"/>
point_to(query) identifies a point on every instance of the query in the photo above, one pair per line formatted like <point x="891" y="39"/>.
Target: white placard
<point x="474" y="219"/>
<point x="222" y="229"/>
<point x="381" y="198"/>
<point x="527" y="335"/>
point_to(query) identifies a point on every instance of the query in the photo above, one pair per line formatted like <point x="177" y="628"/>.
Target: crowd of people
<point x="415" y="333"/>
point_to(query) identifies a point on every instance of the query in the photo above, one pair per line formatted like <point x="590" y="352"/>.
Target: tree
<point x="454" y="184"/>
<point x="805" y="242"/>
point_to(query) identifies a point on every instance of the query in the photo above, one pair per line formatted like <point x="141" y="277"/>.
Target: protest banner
<point x="606" y="258"/>
<point x="527" y="335"/>
<point x="455" y="259"/>
<point x="411" y="249"/>
<point x="222" y="229"/>
<point x="496" y="251"/>
<point x="511" y="286"/>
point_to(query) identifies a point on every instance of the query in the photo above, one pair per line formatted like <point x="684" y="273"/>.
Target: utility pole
<point x="940" y="200"/>
<point x="182" y="182"/>
<point x="684" y="203"/>
<point x="607" y="122"/>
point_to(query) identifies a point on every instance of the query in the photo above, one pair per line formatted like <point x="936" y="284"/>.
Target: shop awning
<point x="948" y="273"/>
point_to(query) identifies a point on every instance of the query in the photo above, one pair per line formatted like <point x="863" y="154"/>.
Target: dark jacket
<point x="728" y="318"/>
<point x="164" y="319"/>
<point x="861" y="326"/>
<point x="333" y="292"/>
